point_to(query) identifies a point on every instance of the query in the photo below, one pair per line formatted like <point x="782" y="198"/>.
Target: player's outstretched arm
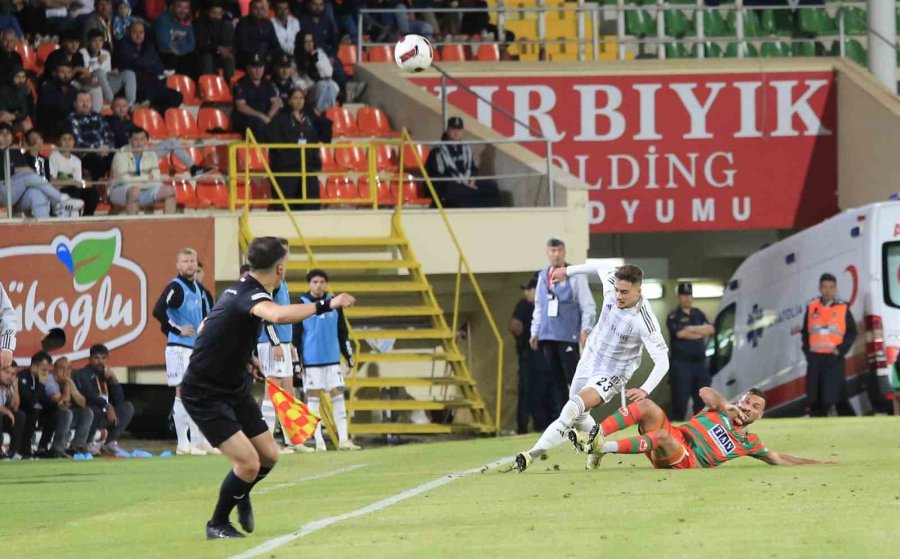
<point x="291" y="314"/>
<point x="779" y="459"/>
<point x="713" y="399"/>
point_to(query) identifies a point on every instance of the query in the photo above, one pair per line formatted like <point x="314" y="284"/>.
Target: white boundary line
<point x="300" y="480"/>
<point x="323" y="523"/>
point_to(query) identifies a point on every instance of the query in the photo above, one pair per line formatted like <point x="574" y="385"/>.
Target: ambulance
<point x="757" y="340"/>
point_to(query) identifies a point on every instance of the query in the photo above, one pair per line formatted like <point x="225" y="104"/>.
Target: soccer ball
<point x="413" y="53"/>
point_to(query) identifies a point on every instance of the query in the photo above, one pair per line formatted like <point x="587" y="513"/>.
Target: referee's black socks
<point x="233" y="490"/>
<point x="263" y="472"/>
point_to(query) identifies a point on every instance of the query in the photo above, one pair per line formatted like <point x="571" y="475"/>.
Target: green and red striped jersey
<point x="714" y="440"/>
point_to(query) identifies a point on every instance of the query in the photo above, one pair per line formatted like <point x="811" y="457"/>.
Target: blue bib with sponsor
<point x="320" y="338"/>
<point x="189" y="313"/>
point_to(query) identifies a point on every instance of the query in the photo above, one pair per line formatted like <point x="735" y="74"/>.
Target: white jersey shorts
<point x="606" y="383"/>
<point x="326" y="378"/>
<point x="272" y="367"/>
<point x="177" y="359"/>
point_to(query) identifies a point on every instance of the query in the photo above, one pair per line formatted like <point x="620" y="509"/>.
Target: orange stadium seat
<point x="179" y="167"/>
<point x="257" y="155"/>
<point x="184" y="85"/>
<point x="212" y="192"/>
<point x="380" y="53"/>
<point x="152" y="122"/>
<point x="409" y="158"/>
<point x="385" y="158"/>
<point x="180" y="123"/>
<point x="373" y="122"/>
<point x="383" y="191"/>
<point x="348" y="56"/>
<point x="216" y="157"/>
<point x="29" y="56"/>
<point x="214" y="123"/>
<point x="343" y="123"/>
<point x="351" y="159"/>
<point x="185" y="193"/>
<point x="43" y="51"/>
<point x="453" y="53"/>
<point x="414" y="192"/>
<point x="165" y="164"/>
<point x="488" y="52"/>
<point x="236" y="76"/>
<point x="214" y="89"/>
<point x="327" y="157"/>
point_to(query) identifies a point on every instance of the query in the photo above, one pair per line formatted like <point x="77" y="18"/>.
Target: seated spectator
<point x="70" y="43"/>
<point x="286" y="26"/>
<point x="120" y="121"/>
<point x="12" y="420"/>
<point x="56" y="101"/>
<point x="37" y="406"/>
<point x="175" y="37"/>
<point x="104" y="396"/>
<point x="287" y="80"/>
<point x="314" y="63"/>
<point x="30" y="191"/>
<point x="255" y="36"/>
<point x="72" y="407"/>
<point x="479" y="23"/>
<point x="456" y="162"/>
<point x="323" y="29"/>
<point x="91" y="132"/>
<point x="215" y="42"/>
<point x="122" y="20"/>
<point x="346" y="15"/>
<point x="108" y="81"/>
<point x="407" y="23"/>
<point x="16" y="103"/>
<point x="100" y="20"/>
<point x="135" y="53"/>
<point x="256" y="100"/>
<point x="293" y="125"/>
<point x="136" y="178"/>
<point x="10" y="60"/>
<point x="65" y="173"/>
<point x="43" y="166"/>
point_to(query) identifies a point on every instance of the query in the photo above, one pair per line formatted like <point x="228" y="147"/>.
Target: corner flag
<point x="296" y="420"/>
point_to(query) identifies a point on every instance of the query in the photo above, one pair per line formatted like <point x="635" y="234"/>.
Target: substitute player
<point x="180" y="310"/>
<point x="611" y="355"/>
<point x="216" y="387"/>
<point x="712" y="437"/>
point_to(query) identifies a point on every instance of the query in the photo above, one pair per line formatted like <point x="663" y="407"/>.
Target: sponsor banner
<point x="678" y="152"/>
<point x="98" y="282"/>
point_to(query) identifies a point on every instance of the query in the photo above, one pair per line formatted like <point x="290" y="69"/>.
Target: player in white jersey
<point x="611" y="355"/>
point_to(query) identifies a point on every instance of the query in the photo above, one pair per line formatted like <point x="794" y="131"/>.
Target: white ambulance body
<point x="757" y="341"/>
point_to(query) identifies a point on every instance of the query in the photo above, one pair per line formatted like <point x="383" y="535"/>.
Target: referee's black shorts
<point x="221" y="416"/>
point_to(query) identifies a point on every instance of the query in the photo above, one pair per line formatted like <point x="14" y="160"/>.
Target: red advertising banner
<point x="98" y="282"/>
<point x="678" y="152"/>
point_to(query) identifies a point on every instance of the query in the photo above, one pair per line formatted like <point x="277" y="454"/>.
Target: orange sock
<point x="621" y="418"/>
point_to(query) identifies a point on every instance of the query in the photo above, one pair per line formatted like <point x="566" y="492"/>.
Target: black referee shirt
<point x="227" y="340"/>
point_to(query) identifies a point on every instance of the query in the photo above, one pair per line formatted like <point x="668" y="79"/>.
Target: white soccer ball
<point x="413" y="53"/>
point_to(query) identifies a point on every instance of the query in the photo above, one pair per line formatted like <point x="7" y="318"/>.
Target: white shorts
<point x="177" y="359"/>
<point x="118" y="195"/>
<point x="605" y="383"/>
<point x="271" y="367"/>
<point x="326" y="378"/>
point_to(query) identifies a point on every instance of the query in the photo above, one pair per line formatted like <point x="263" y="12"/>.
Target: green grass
<point x="158" y="508"/>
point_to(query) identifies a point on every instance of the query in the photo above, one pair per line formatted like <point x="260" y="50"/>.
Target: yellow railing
<point x="244" y="201"/>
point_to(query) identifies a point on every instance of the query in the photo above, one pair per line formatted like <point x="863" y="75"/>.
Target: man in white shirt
<point x="136" y="177"/>
<point x="109" y="81"/>
<point x="612" y="353"/>
<point x="286" y="26"/>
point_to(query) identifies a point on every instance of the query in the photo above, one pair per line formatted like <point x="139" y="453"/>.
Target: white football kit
<point x="613" y="349"/>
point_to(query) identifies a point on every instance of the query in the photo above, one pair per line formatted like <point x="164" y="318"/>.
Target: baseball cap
<point x="455" y="122"/>
<point x="256" y="60"/>
<point x="283" y="61"/>
<point x="685" y="288"/>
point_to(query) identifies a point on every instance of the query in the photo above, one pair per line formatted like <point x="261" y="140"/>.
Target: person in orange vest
<point x="829" y="331"/>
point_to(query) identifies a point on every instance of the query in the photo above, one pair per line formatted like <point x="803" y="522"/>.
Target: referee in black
<point x="216" y="386"/>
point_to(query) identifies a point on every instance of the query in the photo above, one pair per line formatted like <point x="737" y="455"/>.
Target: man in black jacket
<point x="104" y="395"/>
<point x="38" y="407"/>
<point x="453" y="165"/>
<point x="134" y="52"/>
<point x="215" y="41"/>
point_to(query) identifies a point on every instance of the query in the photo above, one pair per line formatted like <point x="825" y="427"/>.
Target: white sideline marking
<point x="300" y="480"/>
<point x="317" y="525"/>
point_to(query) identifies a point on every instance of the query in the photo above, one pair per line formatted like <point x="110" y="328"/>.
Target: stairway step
<point x="409" y="405"/>
<point x="353" y="264"/>
<point x="355" y="287"/>
<point x="406" y="357"/>
<point x="417" y="429"/>
<point x="388" y="312"/>
<point x="349" y="241"/>
<point x="387" y="382"/>
<point x="398" y="334"/>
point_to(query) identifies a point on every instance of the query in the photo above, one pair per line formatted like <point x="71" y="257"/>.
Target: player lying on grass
<point x="712" y="437"/>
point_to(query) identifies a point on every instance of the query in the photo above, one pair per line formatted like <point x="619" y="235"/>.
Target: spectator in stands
<point x="215" y="41"/>
<point x="9" y="21"/>
<point x="30" y="191"/>
<point x="79" y="9"/>
<point x="255" y="36"/>
<point x="43" y="166"/>
<point x="293" y="125"/>
<point x="315" y="63"/>
<point x="286" y="78"/>
<point x="407" y="23"/>
<point x="104" y="395"/>
<point x="122" y="21"/>
<point x="61" y="389"/>
<point x="135" y="53"/>
<point x="108" y="81"/>
<point x="325" y="37"/>
<point x="136" y="177"/>
<point x="91" y="132"/>
<point x="454" y="161"/>
<point x="10" y="60"/>
<point x="12" y="420"/>
<point x="69" y="53"/>
<point x="56" y="100"/>
<point x="256" y="100"/>
<point x="100" y="20"/>
<point x="479" y="23"/>
<point x="286" y="26"/>
<point x="65" y="173"/>
<point x="36" y="404"/>
<point x="175" y="37"/>
<point x="346" y="15"/>
<point x="17" y="103"/>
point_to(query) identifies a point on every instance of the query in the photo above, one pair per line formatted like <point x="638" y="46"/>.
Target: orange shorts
<point x="679" y="462"/>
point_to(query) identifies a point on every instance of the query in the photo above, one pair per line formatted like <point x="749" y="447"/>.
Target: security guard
<point x="536" y="391"/>
<point x="688" y="370"/>
<point x="829" y="331"/>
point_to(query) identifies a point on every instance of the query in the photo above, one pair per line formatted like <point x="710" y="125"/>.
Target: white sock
<point x="556" y="431"/>
<point x="313" y="404"/>
<point x="609" y="447"/>
<point x="585" y="422"/>
<point x="197" y="437"/>
<point x="340" y="417"/>
<point x="268" y="413"/>
<point x="181" y="419"/>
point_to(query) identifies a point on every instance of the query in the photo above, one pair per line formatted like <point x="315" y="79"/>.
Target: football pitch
<point x="400" y="502"/>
